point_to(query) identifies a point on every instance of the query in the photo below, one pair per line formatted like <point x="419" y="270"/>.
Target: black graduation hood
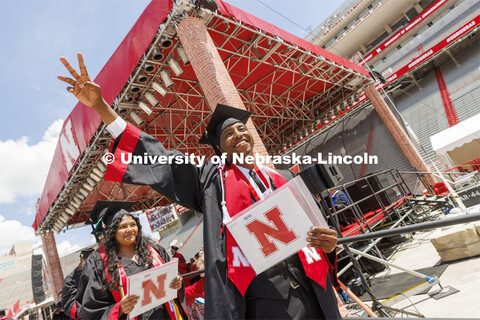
<point x="222" y="117"/>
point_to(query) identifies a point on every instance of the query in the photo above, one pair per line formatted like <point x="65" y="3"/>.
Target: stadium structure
<point x="354" y="85"/>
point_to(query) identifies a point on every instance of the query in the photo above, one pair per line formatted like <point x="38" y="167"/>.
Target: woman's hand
<point x="176" y="283"/>
<point x="322" y="238"/>
<point x="127" y="304"/>
<point x="82" y="87"/>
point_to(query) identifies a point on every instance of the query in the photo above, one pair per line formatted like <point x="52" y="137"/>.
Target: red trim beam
<point x="436" y="48"/>
<point x="426" y="13"/>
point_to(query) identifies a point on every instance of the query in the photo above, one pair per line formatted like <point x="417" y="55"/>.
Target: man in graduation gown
<point x="231" y="290"/>
<point x="70" y="287"/>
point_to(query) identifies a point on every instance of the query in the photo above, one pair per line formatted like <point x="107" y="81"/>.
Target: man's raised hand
<point x="82" y="87"/>
<point x="86" y="91"/>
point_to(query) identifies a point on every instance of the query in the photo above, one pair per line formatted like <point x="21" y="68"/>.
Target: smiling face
<point x="236" y="139"/>
<point x="127" y="231"/>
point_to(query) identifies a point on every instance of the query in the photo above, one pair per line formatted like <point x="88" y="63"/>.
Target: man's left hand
<point x="176" y="283"/>
<point x="322" y="238"/>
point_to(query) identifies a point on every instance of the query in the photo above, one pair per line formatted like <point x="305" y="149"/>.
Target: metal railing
<point x="392" y="208"/>
<point x="472" y="165"/>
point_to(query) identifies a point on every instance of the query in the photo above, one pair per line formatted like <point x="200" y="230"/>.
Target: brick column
<point x="397" y="131"/>
<point x="53" y="264"/>
<point x="211" y="73"/>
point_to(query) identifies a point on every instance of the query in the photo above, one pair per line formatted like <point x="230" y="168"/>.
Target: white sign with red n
<point x="273" y="229"/>
<point x="153" y="287"/>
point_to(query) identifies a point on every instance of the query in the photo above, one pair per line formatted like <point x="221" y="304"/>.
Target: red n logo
<point x="279" y="232"/>
<point x="158" y="291"/>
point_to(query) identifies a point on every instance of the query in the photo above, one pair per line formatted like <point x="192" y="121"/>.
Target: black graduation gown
<point x="98" y="301"/>
<point x="69" y="291"/>
<point x="198" y="188"/>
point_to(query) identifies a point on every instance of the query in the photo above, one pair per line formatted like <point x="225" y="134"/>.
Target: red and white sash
<point x="173" y="307"/>
<point x="238" y="196"/>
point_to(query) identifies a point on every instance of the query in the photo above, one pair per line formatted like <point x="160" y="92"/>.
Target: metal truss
<point x="293" y="87"/>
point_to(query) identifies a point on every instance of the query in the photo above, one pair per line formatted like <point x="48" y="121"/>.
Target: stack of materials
<point x="459" y="242"/>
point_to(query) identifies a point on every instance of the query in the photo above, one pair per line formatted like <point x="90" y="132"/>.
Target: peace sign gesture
<point x="82" y="87"/>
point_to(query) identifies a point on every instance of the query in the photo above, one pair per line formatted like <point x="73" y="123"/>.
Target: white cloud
<point x="65" y="247"/>
<point x="24" y="166"/>
<point x="11" y="232"/>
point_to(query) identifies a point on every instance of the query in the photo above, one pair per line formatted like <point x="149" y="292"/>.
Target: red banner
<point x="426" y="13"/>
<point x="469" y="26"/>
<point x="83" y="122"/>
<point x="14" y="310"/>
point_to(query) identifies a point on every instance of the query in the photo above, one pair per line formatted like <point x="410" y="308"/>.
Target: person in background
<point x="182" y="263"/>
<point x="194" y="268"/>
<point x="195" y="309"/>
<point x="58" y="313"/>
<point x="70" y="285"/>
<point x="339" y="198"/>
<point x="339" y="201"/>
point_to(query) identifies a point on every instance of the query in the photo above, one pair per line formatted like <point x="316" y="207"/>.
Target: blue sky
<point x="33" y="103"/>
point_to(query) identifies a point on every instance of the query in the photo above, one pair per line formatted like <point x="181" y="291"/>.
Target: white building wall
<point x="423" y="108"/>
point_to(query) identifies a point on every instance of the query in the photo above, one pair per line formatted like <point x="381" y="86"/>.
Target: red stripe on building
<point x="447" y="102"/>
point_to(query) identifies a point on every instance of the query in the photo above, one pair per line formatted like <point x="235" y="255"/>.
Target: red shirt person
<point x="182" y="263"/>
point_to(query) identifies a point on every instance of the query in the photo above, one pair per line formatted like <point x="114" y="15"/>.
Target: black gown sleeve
<point x="69" y="292"/>
<point x="97" y="301"/>
<point x="83" y="281"/>
<point x="176" y="180"/>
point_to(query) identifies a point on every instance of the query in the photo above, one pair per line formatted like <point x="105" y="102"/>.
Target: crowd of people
<point x="299" y="287"/>
<point x="161" y="217"/>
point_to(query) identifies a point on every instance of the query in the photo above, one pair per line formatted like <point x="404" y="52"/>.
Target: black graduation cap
<point x="222" y="117"/>
<point x="86" y="252"/>
<point x="104" y="211"/>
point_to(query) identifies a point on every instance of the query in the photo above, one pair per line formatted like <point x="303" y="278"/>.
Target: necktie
<point x="259" y="183"/>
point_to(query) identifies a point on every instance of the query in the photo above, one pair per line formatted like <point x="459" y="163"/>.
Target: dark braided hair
<point x="111" y="249"/>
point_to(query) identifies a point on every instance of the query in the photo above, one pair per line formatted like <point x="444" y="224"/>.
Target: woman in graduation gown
<point x="125" y="252"/>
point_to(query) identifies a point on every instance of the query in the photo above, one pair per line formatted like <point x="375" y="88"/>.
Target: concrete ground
<point x="463" y="275"/>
